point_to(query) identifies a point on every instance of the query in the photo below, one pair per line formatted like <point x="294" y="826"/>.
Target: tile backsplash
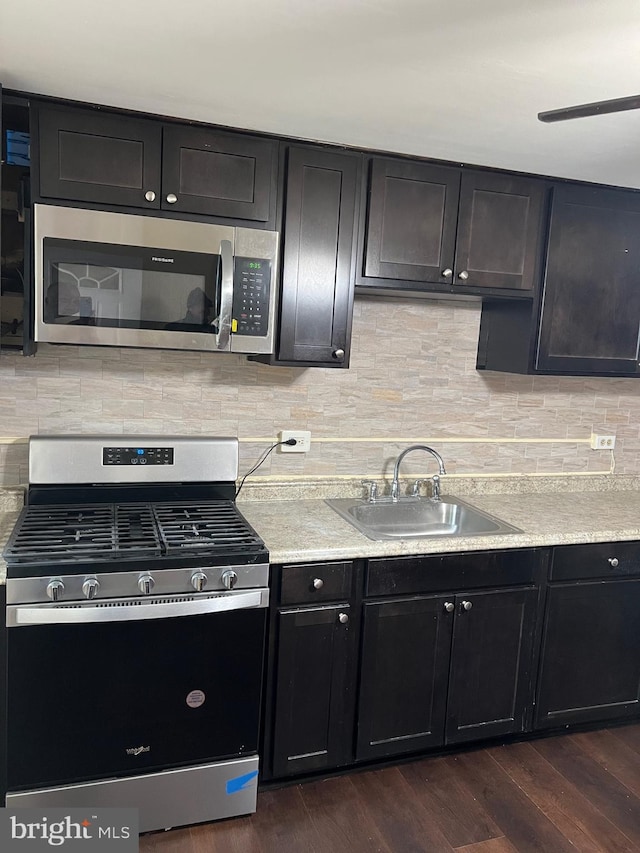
<point x="412" y="378"/>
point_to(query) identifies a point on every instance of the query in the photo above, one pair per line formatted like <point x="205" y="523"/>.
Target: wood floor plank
<point x="629" y="735"/>
<point x="451" y="805"/>
<point x="521" y="821"/>
<point x="608" y="795"/>
<point x="493" y="845"/>
<point x="282" y="822"/>
<point x="398" y="814"/>
<point x="342" y="817"/>
<point x="564" y="804"/>
<point x="614" y="756"/>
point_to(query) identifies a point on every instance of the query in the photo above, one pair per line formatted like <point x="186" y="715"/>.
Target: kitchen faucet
<point x="436" y="478"/>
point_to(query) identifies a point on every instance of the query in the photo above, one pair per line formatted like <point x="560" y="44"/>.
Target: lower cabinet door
<point x="403" y="676"/>
<point x="590" y="667"/>
<point x="314" y="690"/>
<point x="490" y="681"/>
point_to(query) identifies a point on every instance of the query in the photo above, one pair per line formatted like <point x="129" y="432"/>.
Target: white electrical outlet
<point x="602" y="442"/>
<point x="302" y="437"/>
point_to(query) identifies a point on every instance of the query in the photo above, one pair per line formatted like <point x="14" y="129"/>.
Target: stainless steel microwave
<point x="117" y="279"/>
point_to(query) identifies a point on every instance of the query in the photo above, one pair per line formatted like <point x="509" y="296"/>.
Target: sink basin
<point x="410" y="518"/>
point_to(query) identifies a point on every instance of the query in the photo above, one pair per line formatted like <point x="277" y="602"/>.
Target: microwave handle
<point x="226" y="295"/>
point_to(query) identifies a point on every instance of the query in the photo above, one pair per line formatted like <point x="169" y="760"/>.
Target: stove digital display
<point x="137" y="455"/>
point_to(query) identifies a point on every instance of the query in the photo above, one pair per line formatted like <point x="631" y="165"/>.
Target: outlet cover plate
<point x="302" y="437"/>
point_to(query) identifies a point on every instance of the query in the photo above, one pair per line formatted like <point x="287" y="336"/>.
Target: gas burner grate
<point x="66" y="532"/>
<point x="203" y="526"/>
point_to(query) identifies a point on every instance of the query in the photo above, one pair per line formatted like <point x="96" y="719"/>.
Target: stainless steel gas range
<point x="136" y="615"/>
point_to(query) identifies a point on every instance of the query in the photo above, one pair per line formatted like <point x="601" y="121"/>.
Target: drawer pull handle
<point x="613" y="561"/>
<point x="449" y="606"/>
<point x="318" y="583"/>
<point x="343" y="618"/>
<point x="467" y="605"/>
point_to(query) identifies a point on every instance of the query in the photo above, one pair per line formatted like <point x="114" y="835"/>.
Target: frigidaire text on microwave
<point x="117" y="279"/>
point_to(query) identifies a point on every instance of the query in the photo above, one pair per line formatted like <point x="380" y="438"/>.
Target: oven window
<point x="129" y="287"/>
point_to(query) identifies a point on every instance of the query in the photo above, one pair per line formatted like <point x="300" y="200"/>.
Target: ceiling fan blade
<point x="616" y="105"/>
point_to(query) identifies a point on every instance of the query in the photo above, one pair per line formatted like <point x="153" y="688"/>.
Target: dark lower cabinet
<point x="491" y="674"/>
<point x="313" y="690"/>
<point x="321" y="208"/>
<point x="403" y="676"/>
<point x="590" y="664"/>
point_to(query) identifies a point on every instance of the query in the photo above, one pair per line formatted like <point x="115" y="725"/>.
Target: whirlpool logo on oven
<point x="137" y="750"/>
<point x="72" y="829"/>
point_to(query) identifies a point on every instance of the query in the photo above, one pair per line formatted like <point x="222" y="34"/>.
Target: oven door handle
<point x="122" y="610"/>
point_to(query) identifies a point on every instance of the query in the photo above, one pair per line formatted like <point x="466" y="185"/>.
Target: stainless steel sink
<point x="410" y="518"/>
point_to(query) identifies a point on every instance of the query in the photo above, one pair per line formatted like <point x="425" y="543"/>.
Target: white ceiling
<point x="459" y="80"/>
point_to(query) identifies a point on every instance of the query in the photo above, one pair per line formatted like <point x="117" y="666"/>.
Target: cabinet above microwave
<point x="115" y="279"/>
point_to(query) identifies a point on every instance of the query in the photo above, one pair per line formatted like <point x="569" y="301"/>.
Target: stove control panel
<point x="137" y="456"/>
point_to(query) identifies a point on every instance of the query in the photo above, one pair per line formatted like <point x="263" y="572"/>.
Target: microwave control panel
<point x="251" y="289"/>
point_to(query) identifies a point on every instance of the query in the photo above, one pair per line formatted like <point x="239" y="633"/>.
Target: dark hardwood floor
<point x="575" y="793"/>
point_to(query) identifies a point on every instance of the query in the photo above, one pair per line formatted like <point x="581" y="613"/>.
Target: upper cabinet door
<point x="499" y="230"/>
<point x="87" y="155"/>
<point x="321" y="205"/>
<point x="218" y="174"/>
<point x="411" y="228"/>
<point x="591" y="304"/>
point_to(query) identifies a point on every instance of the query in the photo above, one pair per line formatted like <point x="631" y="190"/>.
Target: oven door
<point x="124" y="280"/>
<point x="122" y="687"/>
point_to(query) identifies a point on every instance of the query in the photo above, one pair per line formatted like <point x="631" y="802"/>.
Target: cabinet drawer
<point x="313" y="582"/>
<point x="457" y="571"/>
<point x="595" y="560"/>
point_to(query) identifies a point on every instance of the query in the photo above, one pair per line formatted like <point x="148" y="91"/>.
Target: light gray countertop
<point x="309" y="530"/>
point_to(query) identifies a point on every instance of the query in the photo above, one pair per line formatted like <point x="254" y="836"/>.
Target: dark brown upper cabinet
<point x="319" y="226"/>
<point x="88" y="155"/>
<point x="590" y="315"/>
<point x="447" y="230"/>
<point x="587" y="320"/>
<point x="109" y="159"/>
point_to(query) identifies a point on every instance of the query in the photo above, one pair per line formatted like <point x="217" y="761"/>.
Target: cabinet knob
<point x="447" y="273"/>
<point x="172" y="198"/>
<point x="338" y="353"/>
<point x="613" y="561"/>
<point x="463" y="276"/>
<point x="449" y="606"/>
<point x="343" y="618"/>
<point x="318" y="583"/>
<point x="150" y="195"/>
<point x="467" y="605"/>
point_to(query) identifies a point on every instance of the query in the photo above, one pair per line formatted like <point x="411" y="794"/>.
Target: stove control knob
<point x="199" y="581"/>
<point x="145" y="584"/>
<point x="229" y="579"/>
<point x="55" y="589"/>
<point x="90" y="587"/>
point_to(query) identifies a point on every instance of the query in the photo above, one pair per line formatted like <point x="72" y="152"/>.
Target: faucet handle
<point x="415" y="489"/>
<point x="435" y="493"/>
<point x="373" y="490"/>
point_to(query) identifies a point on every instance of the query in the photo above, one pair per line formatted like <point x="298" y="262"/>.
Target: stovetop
<point x="116" y="534"/>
